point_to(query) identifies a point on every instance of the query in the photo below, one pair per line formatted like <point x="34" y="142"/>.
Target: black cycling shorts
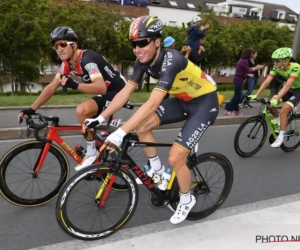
<point x="101" y="101"/>
<point x="199" y="113"/>
<point x="292" y="96"/>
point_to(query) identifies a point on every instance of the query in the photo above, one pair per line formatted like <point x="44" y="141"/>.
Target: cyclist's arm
<point x="119" y="100"/>
<point x="145" y="111"/>
<point x="46" y="94"/>
<point x="96" y="87"/>
<point x="264" y="85"/>
<point x="286" y="87"/>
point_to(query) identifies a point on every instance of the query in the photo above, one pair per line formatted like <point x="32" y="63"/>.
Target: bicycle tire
<point x="66" y="208"/>
<point x="199" y="188"/>
<point x="41" y="192"/>
<point x="259" y="123"/>
<point x="291" y="133"/>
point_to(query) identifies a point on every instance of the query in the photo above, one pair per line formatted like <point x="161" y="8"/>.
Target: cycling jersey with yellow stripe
<point x="175" y="75"/>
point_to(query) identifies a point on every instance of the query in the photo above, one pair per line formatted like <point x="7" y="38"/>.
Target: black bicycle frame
<point x="131" y="140"/>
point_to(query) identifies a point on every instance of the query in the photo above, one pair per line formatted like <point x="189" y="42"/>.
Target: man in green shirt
<point x="290" y="92"/>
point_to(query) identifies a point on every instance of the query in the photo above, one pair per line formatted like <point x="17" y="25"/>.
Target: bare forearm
<point x="116" y="104"/>
<point x="139" y="117"/>
<point x="283" y="91"/>
<point x="262" y="87"/>
<point x="44" y="96"/>
<point x="92" y="88"/>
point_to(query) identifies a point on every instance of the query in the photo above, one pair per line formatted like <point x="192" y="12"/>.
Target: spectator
<point x="241" y="71"/>
<point x="250" y="83"/>
<point x="169" y="42"/>
<point x="195" y="32"/>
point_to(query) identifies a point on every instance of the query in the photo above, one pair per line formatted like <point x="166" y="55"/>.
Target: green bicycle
<point x="252" y="134"/>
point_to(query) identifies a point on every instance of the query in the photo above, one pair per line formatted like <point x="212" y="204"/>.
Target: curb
<point x="20" y="132"/>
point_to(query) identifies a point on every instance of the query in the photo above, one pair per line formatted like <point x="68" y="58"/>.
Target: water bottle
<point x="81" y="151"/>
<point x="165" y="178"/>
<point x="152" y="174"/>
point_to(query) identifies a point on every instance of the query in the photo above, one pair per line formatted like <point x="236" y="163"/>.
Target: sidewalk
<point x="10" y="129"/>
<point x="266" y="225"/>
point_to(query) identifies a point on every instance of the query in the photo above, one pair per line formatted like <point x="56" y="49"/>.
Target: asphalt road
<point x="271" y="173"/>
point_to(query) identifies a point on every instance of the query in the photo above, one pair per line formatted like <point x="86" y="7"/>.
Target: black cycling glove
<point x="70" y="83"/>
<point x="28" y="111"/>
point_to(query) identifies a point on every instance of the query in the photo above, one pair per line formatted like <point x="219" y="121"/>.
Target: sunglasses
<point x="140" y="43"/>
<point x="277" y="61"/>
<point x="62" y="45"/>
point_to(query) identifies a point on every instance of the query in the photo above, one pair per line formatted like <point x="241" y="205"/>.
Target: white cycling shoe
<point x="277" y="143"/>
<point x="182" y="211"/>
<point x="87" y="161"/>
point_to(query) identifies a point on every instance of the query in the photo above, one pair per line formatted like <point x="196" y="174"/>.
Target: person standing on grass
<point x="241" y="72"/>
<point x="98" y="76"/>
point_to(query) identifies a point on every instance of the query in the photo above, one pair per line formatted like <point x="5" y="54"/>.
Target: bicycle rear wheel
<point x="250" y="136"/>
<point x="78" y="211"/>
<point x="212" y="178"/>
<point x="20" y="185"/>
<point x="292" y="134"/>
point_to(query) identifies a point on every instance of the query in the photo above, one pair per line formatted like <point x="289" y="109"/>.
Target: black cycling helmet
<point x="62" y="33"/>
<point x="145" y="27"/>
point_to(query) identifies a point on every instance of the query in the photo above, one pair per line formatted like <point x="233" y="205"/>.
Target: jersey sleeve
<point x="169" y="70"/>
<point x="65" y="68"/>
<point x="137" y="74"/>
<point x="273" y="72"/>
<point x="91" y="66"/>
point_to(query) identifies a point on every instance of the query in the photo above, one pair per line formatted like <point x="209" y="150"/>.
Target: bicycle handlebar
<point x="38" y="127"/>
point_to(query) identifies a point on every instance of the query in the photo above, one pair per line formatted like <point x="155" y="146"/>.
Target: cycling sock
<point x="90" y="148"/>
<point x="156" y="164"/>
<point x="281" y="134"/>
<point x="185" y="198"/>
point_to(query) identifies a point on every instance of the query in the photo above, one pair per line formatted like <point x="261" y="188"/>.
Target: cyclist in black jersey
<point x="194" y="94"/>
<point x="98" y="77"/>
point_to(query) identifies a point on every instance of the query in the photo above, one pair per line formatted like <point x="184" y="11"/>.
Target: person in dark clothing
<point x="251" y="82"/>
<point x="195" y="32"/>
<point x="201" y="51"/>
<point x="241" y="72"/>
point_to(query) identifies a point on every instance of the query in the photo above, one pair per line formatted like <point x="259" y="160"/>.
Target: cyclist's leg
<point x="89" y="109"/>
<point x="169" y="111"/>
<point x="202" y="112"/>
<point x="290" y="99"/>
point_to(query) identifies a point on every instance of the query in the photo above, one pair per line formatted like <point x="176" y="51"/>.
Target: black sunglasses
<point x="277" y="61"/>
<point x="140" y="43"/>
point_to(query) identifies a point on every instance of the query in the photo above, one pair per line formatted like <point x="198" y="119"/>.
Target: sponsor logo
<point x="194" y="85"/>
<point x="295" y="69"/>
<point x="213" y="110"/>
<point x="109" y="72"/>
<point x="155" y="27"/>
<point x="167" y="62"/>
<point x="92" y="68"/>
<point x="183" y="79"/>
<point x="194" y="138"/>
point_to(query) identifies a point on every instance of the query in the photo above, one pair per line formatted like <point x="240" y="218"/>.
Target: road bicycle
<point x="252" y="133"/>
<point x="88" y="208"/>
<point x="32" y="172"/>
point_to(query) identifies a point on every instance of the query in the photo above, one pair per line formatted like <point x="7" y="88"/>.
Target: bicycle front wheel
<point x="250" y="136"/>
<point x="292" y="135"/>
<point x="88" y="208"/>
<point x="21" y="186"/>
<point x="212" y="178"/>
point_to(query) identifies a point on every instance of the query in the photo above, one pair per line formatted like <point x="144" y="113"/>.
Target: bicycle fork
<point x="40" y="160"/>
<point x="109" y="179"/>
